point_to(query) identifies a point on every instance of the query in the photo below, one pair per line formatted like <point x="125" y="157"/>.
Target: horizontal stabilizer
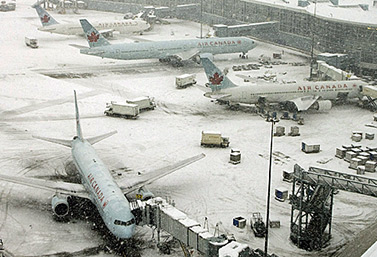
<point x="64" y="142"/>
<point x="96" y="139"/>
<point x="151" y="176"/>
<point x="78" y="46"/>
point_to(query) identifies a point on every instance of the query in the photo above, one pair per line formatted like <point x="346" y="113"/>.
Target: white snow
<point x="34" y="104"/>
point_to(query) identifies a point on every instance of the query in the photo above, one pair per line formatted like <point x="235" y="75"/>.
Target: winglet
<point x="217" y="79"/>
<point x="78" y="126"/>
<point x="94" y="38"/>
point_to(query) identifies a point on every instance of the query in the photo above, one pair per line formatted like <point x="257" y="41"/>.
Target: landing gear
<point x="243" y="55"/>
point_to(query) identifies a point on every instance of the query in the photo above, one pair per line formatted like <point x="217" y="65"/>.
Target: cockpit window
<point x="123" y="223"/>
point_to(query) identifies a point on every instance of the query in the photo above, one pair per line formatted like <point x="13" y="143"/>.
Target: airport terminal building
<point x="334" y="26"/>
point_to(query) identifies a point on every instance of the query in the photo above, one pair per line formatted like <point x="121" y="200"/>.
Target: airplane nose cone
<point x="125" y="232"/>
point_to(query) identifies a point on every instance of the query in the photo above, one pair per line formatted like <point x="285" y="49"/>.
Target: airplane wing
<point x="96" y="139"/>
<point x="149" y="177"/>
<point x="303" y="103"/>
<point x="186" y="55"/>
<point x="53" y="186"/>
<point x="216" y="96"/>
<point x="78" y="46"/>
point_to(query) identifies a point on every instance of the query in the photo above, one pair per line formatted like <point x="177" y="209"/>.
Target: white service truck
<point x="31" y="42"/>
<point x="185" y="80"/>
<point x="125" y="110"/>
<point x="214" y="139"/>
<point x="144" y="103"/>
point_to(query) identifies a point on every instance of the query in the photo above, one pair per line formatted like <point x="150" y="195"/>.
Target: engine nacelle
<point x="144" y="194"/>
<point x="322" y="105"/>
<point x="60" y="205"/>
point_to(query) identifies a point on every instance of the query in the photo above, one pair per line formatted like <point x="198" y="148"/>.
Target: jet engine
<point x="322" y="105"/>
<point x="60" y="205"/>
<point x="144" y="194"/>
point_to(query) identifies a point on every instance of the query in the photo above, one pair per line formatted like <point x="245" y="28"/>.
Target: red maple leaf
<point x="45" y="19"/>
<point x="216" y="79"/>
<point x="93" y="37"/>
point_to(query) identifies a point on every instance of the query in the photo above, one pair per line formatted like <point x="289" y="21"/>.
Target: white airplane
<point x="172" y="50"/>
<point x="301" y="96"/>
<point x="49" y="24"/>
<point x="97" y="183"/>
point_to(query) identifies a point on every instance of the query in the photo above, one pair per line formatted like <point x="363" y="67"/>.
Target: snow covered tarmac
<point x="35" y="104"/>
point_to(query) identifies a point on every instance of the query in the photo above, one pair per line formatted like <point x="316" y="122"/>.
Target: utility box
<point x="31" y="42"/>
<point x="130" y="111"/>
<point x="214" y="139"/>
<point x="310" y="148"/>
<point x="185" y="80"/>
<point x="281" y="194"/>
<point x="144" y="103"/>
<point x="239" y="222"/>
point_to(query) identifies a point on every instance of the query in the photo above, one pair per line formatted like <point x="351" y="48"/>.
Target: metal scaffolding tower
<point x="312" y="202"/>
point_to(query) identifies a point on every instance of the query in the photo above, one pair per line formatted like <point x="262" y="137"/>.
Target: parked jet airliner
<point x="97" y="183"/>
<point x="302" y="95"/>
<point x="173" y="50"/>
<point x="49" y="24"/>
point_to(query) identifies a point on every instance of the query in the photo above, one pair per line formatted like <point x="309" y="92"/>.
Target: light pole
<point x="201" y="18"/>
<point x="273" y="120"/>
<point x="312" y="46"/>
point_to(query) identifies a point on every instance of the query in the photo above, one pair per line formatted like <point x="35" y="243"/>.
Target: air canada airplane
<point x="49" y="24"/>
<point x="173" y="51"/>
<point x="300" y="96"/>
<point x="97" y="183"/>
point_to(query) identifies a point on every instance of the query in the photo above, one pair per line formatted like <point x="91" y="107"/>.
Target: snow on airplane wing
<point x="303" y="103"/>
<point x="145" y="179"/>
<point x="217" y="96"/>
<point x="186" y="55"/>
<point x="54" y="186"/>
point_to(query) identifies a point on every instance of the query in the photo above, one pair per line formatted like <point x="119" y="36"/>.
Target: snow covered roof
<point x="329" y="11"/>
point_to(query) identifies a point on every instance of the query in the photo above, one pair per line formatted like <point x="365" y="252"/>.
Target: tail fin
<point x="217" y="79"/>
<point x="93" y="36"/>
<point x="78" y="126"/>
<point x="46" y="18"/>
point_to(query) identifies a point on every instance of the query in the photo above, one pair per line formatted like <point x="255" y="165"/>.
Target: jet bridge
<point x="162" y="215"/>
<point x="312" y="202"/>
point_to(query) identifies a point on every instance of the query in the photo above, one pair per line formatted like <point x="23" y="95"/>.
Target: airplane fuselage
<point x="123" y="26"/>
<point x="103" y="191"/>
<point x="274" y="93"/>
<point x="169" y="49"/>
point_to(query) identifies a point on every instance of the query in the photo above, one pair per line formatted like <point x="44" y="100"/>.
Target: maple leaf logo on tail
<point x="93" y="37"/>
<point x="45" y="19"/>
<point x="216" y="79"/>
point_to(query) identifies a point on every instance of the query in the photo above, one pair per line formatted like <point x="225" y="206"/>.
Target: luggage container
<point x="354" y="163"/>
<point x="356" y="137"/>
<point x="363" y="159"/>
<point x="280" y="131"/>
<point x="373" y="155"/>
<point x="295" y="131"/>
<point x="281" y="194"/>
<point x="340" y="153"/>
<point x="287" y="176"/>
<point x="370" y="166"/>
<point x="360" y="170"/>
<point x="369" y="136"/>
<point x="349" y="156"/>
<point x="239" y="222"/>
<point x="310" y="148"/>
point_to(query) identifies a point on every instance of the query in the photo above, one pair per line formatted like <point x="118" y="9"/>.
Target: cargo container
<point x="340" y="152"/>
<point x="310" y="148"/>
<point x="349" y="156"/>
<point x="125" y="110"/>
<point x="370" y="166"/>
<point x="144" y="103"/>
<point x="354" y="163"/>
<point x="214" y="139"/>
<point x="31" y="42"/>
<point x="185" y="80"/>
